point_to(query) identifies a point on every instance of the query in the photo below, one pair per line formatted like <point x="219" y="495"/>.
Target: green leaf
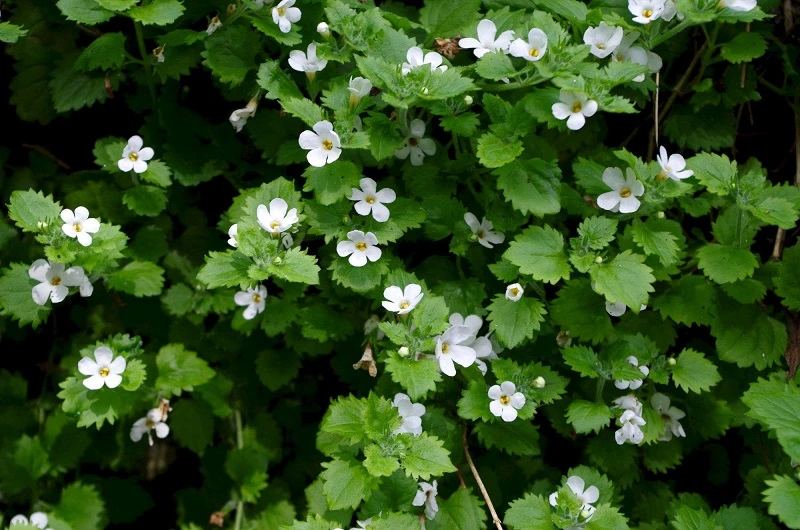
<point x="744" y="47"/>
<point x="416" y="377"/>
<point x="532" y="512"/>
<point x="515" y="321"/>
<point x="180" y="370"/>
<point x="495" y="66"/>
<point x="724" y="264"/>
<point x="230" y="53"/>
<point x="465" y="125"/>
<point x="11" y="33"/>
<point x="105" y="53"/>
<point x="426" y="457"/>
<point x="774" y="404"/>
<point x="495" y="152"/>
<point x="224" y="269"/>
<point x="783" y="497"/>
<point x="446" y="18"/>
<point x="73" y="90"/>
<point x="518" y="437"/>
<point x="345" y="418"/>
<point x="694" y="373"/>
<point x="117" y="5"/>
<point x="84" y="11"/>
<point x="158" y="12"/>
<point x="747" y="336"/>
<point x="532" y="186"/>
<point x="431" y="315"/>
<point x="346" y="483"/>
<point x="247" y="467"/>
<point x="461" y="510"/>
<point x="296" y="266"/>
<point x="139" y="278"/>
<point x="157" y="173"/>
<point x="332" y="182"/>
<point x="715" y="172"/>
<point x="582" y="359"/>
<point x="30" y="460"/>
<point x="570" y="9"/>
<point x="304" y="109"/>
<point x="377" y="463"/>
<point x="662" y="244"/>
<point x="474" y="402"/>
<point x="787" y="283"/>
<point x="597" y="232"/>
<point x="690" y="300"/>
<point x="359" y="279"/>
<point x="145" y="200"/>
<point x="688" y="518"/>
<point x="588" y="416"/>
<point x="624" y="279"/>
<point x="192" y="425"/>
<point x="276" y="82"/>
<point x="29" y="208"/>
<point x="16" y="299"/>
<point x="539" y="251"/>
<point x="570" y="312"/>
<point x="81" y="506"/>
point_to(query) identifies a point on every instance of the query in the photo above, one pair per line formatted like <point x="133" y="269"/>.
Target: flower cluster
<point x="37" y="519"/>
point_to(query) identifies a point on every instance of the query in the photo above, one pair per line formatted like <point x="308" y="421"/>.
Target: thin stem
<point x="669" y="34"/>
<point x="598" y="395"/>
<point x="237" y="416"/>
<point x="781" y="235"/>
<point x="148" y="69"/>
<point x="495" y="518"/>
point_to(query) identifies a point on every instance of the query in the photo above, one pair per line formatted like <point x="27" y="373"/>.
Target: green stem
<point x="148" y="69"/>
<point x="669" y="34"/>
<point x="598" y="396"/>
<point x="237" y="416"/>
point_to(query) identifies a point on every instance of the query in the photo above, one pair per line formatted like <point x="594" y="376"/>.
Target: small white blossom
<point x="415" y="58"/>
<point x="410" y="412"/>
<point x="629" y="402"/>
<point x="78" y="224"/>
<point x="506" y="400"/>
<point x="102" y="370"/>
<point x="645" y="11"/>
<point x="670" y="10"/>
<point x="239" y="116"/>
<point x="255" y="298"/>
<point x="539" y="382"/>
<point x="574" y="107"/>
<point x="603" y="39"/>
<point x="310" y="64"/>
<point x="158" y="53"/>
<point x="415" y="145"/>
<point x="630" y="429"/>
<point x="134" y="156"/>
<point x="622" y="198"/>
<point x="323" y="144"/>
<point x="369" y="200"/>
<point x="587" y="496"/>
<point x="636" y="383"/>
<point x="450" y="349"/>
<point x="533" y="49"/>
<point x="473" y="322"/>
<point x="55" y="281"/>
<point x="673" y="166"/>
<point x="426" y="495"/>
<point x="233" y="233"/>
<point x="738" y="5"/>
<point x="324" y="30"/>
<point x="486" y="41"/>
<point x="514" y="292"/>
<point x="402" y="301"/>
<point x="213" y="26"/>
<point x="284" y="15"/>
<point x="359" y="87"/>
<point x="636" y="54"/>
<point x="360" y="247"/>
<point x="38" y="519"/>
<point x="671" y="416"/>
<point x="155" y="420"/>
<point x="617" y="309"/>
<point x="487" y="237"/>
<point x="276" y="219"/>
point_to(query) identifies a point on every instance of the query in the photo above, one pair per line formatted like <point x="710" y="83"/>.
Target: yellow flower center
<point x="256" y="298"/>
<point x="77" y="227"/>
<point x="534" y="52"/>
<point x="661" y="176"/>
<point x="327" y="144"/>
<point x="576" y="107"/>
<point x="56" y="280"/>
<point x="504" y="400"/>
<point x="625" y="193"/>
<point x="412" y="142"/>
<point x="104" y="371"/>
<point x="134" y="156"/>
<point x="445" y="347"/>
<point x="361" y="246"/>
<point x="481" y="234"/>
<point x="404" y="305"/>
<point x="514" y="291"/>
<point x="647" y="13"/>
<point x="281" y="11"/>
<point x="149" y="423"/>
<point x="370" y="199"/>
<point x="274" y="225"/>
<point x="601" y="46"/>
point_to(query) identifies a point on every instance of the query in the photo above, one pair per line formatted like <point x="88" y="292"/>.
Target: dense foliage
<point x="449" y="264"/>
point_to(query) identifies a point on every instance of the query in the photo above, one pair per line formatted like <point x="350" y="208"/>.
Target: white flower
<point x="55" y="281"/>
<point x="533" y="49"/>
<point x="473" y="322"/>
<point x="411" y="413"/>
<point x="402" y="301"/>
<point x="415" y="145"/>
<point x="670" y="10"/>
<point x="622" y="198"/>
<point x="284" y="15"/>
<point x="617" y="309"/>
<point x="154" y="421"/>
<point x="450" y="348"/>
<point x="372" y="201"/>
<point x="38" y="519"/>
<point x="630" y="429"/>
<point x="276" y="219"/>
<point x="629" y="402"/>
<point x="239" y="116"/>
<point x="415" y="58"/>
<point x="233" y="233"/>
<point x="310" y="64"/>
<point x="483" y="230"/>
<point x="323" y="144"/>
<point x="738" y="5"/>
<point x="636" y="383"/>
<point x="103" y="370"/>
<point x="213" y="26"/>
<point x="484" y="349"/>
<point x="645" y="11"/>
<point x="134" y="156"/>
<point x="671" y="415"/>
<point x="506" y="400"/>
<point x="324" y="30"/>
<point x="362" y="525"/>
<point x="672" y="166"/>
<point x="358" y="87"/>
<point x="255" y="298"/>
<point x="586" y="496"/>
<point x="574" y="107"/>
<point x="603" y="39"/>
<point x="636" y="54"/>
<point x="486" y="41"/>
<point x="514" y="292"/>
<point x="79" y="224"/>
<point x="360" y="248"/>
<point x="426" y="494"/>
<point x="159" y="53"/>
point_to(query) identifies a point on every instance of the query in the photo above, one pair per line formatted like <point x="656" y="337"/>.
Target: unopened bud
<point x="539" y="382"/>
<point x="324" y="30"/>
<point x="468" y="100"/>
<point x="41" y="225"/>
<point x="563" y="339"/>
<point x="585" y="514"/>
<point x="425" y="90"/>
<point x="598" y="259"/>
<point x="660" y="215"/>
<point x="403" y="351"/>
<point x="231" y="9"/>
<point x="277" y="260"/>
<point x="671" y="361"/>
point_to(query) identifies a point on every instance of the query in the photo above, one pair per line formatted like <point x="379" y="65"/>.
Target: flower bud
<point x="277" y="260"/>
<point x="468" y="100"/>
<point x="539" y="382"/>
<point x="231" y="9"/>
<point x="324" y="30"/>
<point x="585" y="514"/>
<point x="563" y="339"/>
<point x="598" y="259"/>
<point x="403" y="351"/>
<point x="41" y="225"/>
<point x="660" y="215"/>
<point x="425" y="90"/>
<point x="671" y="361"/>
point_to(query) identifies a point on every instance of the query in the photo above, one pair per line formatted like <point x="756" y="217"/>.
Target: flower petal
<point x="309" y="140"/>
<point x="103" y="355"/>
<point x="87" y="366"/>
<point x="118" y="365"/>
<point x="561" y="111"/>
<point x="146" y="154"/>
<point x="113" y="380"/>
<point x="41" y="293"/>
<point x="95" y="382"/>
<point x="135" y="143"/>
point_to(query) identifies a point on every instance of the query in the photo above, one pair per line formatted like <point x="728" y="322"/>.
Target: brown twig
<point x="461" y="478"/>
<point x="781" y="235"/>
<point x="42" y="151"/>
<point x="495" y="518"/>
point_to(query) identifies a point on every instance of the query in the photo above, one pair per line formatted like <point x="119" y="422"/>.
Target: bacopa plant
<point x="443" y="264"/>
